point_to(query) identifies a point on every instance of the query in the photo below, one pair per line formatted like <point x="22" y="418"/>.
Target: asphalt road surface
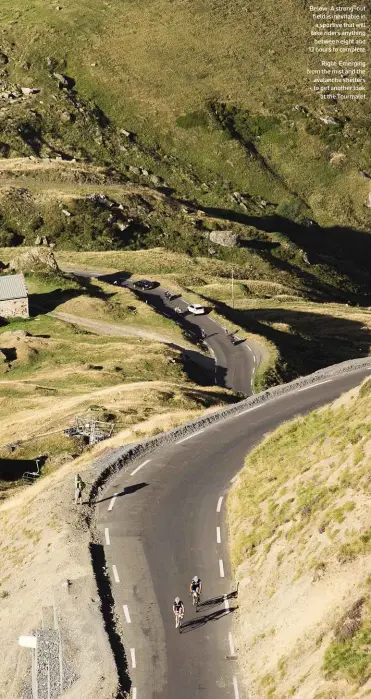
<point x="235" y="365"/>
<point x="162" y="522"/>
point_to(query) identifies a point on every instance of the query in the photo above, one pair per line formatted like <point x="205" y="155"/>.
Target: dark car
<point x="144" y="284"/>
<point x="170" y="296"/>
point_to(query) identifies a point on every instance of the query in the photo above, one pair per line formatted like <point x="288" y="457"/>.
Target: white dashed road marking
<point x="133" y="660"/>
<point x="219" y="505"/>
<point x="106" y="534"/>
<point x="249" y="348"/>
<point x="127" y="613"/>
<point x="221" y="568"/>
<point x="110" y="506"/>
<point x="218" y="537"/>
<point x="234" y="478"/>
<point x="134" y="693"/>
<point x="139" y="467"/>
<point x="231" y="644"/>
<point x="115" y="574"/>
<point x="189" y="437"/>
<point x="235" y="687"/>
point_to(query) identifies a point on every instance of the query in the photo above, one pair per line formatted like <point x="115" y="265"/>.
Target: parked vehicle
<point x="144" y="284"/>
<point x="170" y="296"/>
<point x="196" y="309"/>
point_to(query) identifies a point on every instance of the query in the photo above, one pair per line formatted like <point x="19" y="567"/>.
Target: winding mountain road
<point x="162" y="522"/>
<point x="235" y="365"/>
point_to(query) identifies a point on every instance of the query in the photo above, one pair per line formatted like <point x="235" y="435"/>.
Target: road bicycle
<point x="195" y="598"/>
<point x="178" y="619"/>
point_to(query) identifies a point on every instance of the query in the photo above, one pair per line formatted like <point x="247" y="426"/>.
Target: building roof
<point x="12" y="287"/>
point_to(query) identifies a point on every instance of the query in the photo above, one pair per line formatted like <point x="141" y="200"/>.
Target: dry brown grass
<point x="300" y="534"/>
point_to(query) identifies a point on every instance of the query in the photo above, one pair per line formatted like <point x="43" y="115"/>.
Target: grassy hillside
<point x="300" y="529"/>
<point x="51" y="372"/>
<point x="215" y="98"/>
<point x="299" y="335"/>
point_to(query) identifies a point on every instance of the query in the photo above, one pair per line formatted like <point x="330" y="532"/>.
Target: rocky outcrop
<point x="227" y="239"/>
<point x="38" y="259"/>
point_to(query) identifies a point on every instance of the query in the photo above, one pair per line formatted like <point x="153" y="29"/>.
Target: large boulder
<point x="227" y="239"/>
<point x="38" y="259"/>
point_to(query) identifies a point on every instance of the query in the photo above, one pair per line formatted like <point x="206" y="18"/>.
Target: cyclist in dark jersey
<point x="196" y="585"/>
<point x="178" y="606"/>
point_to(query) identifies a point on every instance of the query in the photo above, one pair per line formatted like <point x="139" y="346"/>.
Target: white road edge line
<point x="231" y="644"/>
<point x="106" y="534"/>
<point x="218" y="537"/>
<point x="226" y="602"/>
<point x="221" y="568"/>
<point x="249" y="348"/>
<point x="314" y="385"/>
<point x="235" y="687"/>
<point x="134" y="693"/>
<point x="115" y="574"/>
<point x="139" y="467"/>
<point x="127" y="613"/>
<point x="219" y="505"/>
<point x="234" y="478"/>
<point x="195" y="434"/>
<point x="110" y="506"/>
<point x="133" y="660"/>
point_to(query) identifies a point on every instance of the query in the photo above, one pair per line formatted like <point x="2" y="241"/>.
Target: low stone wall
<point x="104" y="467"/>
<point x="14" y="308"/>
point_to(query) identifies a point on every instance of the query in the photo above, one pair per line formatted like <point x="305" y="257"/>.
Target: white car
<point x="196" y="309"/>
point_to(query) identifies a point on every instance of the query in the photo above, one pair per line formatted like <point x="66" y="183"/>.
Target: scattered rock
<point x="135" y="170"/>
<point x="154" y="179"/>
<point x="3" y="59"/>
<point x="7" y="95"/>
<point x="30" y="90"/>
<point x="365" y="174"/>
<point x="35" y="260"/>
<point x="226" y="239"/>
<point x="64" y="82"/>
<point x="300" y="108"/>
<point x="329" y="120"/>
<point x="305" y="257"/>
<point x="368" y="201"/>
<point x="51" y="63"/>
<point x="38" y="240"/>
<point x="337" y="159"/>
<point x="309" y="222"/>
<point x="122" y="226"/>
<point x="26" y="66"/>
<point x="66" y="213"/>
<point x="67" y="117"/>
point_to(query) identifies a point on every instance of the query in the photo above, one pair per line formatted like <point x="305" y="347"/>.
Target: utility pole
<point x="232" y="289"/>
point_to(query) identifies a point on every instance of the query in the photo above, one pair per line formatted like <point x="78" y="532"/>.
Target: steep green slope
<point x="213" y="86"/>
<point x="300" y="528"/>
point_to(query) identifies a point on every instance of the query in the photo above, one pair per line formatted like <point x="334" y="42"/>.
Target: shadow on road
<point x="128" y="490"/>
<point x="198" y="621"/>
<point x="214" y="601"/>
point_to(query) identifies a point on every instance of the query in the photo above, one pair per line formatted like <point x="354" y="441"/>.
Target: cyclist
<point x="178" y="607"/>
<point x="196" y="585"/>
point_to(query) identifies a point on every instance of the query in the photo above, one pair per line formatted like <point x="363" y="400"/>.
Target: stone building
<point x="13" y="297"/>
